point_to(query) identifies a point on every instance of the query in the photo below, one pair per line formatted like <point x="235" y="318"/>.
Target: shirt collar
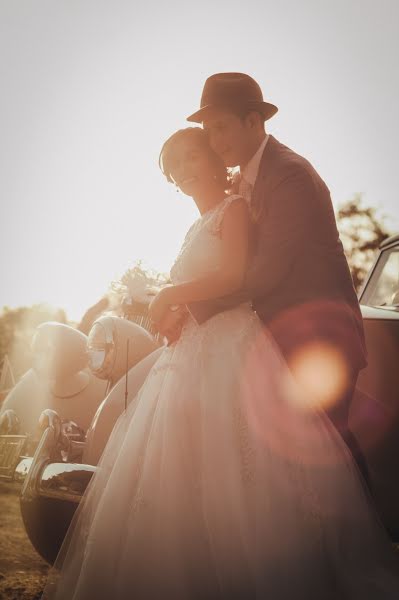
<point x="250" y="172"/>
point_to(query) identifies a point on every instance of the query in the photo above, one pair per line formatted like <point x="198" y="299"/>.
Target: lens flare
<point x="286" y="404"/>
<point x="318" y="376"/>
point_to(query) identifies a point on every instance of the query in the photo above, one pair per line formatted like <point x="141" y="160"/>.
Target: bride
<point x="221" y="480"/>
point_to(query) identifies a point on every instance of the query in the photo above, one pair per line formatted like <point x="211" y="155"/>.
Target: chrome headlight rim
<point x="108" y="345"/>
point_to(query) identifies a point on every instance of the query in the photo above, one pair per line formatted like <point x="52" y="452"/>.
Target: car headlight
<point x="101" y="348"/>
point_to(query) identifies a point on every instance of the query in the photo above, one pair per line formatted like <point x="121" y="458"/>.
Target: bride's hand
<point x="172" y="323"/>
<point x="159" y="306"/>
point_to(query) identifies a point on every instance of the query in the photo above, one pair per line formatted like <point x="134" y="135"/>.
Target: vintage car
<point x="58" y="406"/>
<point x="375" y="410"/>
<point x="121" y="352"/>
<point x="60" y="380"/>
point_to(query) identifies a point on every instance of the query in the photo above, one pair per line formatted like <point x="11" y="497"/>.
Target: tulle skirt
<point x="217" y="483"/>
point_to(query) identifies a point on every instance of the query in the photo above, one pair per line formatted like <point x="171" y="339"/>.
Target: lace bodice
<point x="201" y="249"/>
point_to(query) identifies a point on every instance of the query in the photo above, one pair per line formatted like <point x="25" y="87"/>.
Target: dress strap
<point x="217" y="218"/>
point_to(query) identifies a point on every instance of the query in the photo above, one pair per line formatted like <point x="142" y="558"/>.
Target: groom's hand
<point x="172" y="324"/>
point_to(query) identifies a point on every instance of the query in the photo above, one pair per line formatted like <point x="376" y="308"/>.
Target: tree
<point x="362" y="230"/>
<point x="17" y="326"/>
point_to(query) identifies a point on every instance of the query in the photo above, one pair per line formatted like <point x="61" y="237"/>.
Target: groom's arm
<point x="202" y="311"/>
<point x="283" y="229"/>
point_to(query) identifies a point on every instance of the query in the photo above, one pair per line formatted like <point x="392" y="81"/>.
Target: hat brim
<point x="268" y="110"/>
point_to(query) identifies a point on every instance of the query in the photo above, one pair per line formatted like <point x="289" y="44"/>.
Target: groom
<point x="298" y="279"/>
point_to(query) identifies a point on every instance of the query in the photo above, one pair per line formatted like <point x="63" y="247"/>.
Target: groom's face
<point x="230" y="136"/>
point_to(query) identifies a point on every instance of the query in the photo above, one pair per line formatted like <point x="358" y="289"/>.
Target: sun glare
<point x="319" y="376"/>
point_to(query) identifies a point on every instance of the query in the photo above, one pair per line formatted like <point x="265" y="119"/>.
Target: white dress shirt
<point x="250" y="172"/>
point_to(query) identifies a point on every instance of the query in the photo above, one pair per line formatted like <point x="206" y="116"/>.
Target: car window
<point x="382" y="288"/>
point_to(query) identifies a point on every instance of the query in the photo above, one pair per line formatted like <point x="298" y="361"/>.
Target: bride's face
<point x="190" y="166"/>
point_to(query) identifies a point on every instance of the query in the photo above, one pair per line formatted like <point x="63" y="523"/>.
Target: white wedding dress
<point x="216" y="484"/>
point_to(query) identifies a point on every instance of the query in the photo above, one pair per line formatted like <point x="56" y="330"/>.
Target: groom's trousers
<point x="339" y="416"/>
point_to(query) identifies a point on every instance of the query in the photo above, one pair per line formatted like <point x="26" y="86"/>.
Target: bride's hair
<point x="200" y="137"/>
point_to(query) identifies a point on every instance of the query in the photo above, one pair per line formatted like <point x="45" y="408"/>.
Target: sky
<point x="91" y="90"/>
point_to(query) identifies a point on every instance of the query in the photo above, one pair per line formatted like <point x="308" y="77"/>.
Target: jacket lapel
<point x="262" y="182"/>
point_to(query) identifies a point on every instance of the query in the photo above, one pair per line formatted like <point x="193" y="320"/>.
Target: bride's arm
<point x="227" y="278"/>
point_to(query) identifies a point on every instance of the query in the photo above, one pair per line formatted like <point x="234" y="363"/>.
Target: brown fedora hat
<point x="232" y="90"/>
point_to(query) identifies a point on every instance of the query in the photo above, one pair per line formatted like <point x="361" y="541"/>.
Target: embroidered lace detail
<point x="162" y="368"/>
<point x="311" y="507"/>
<point x="201" y="249"/>
<point x="139" y="502"/>
<point x="216" y="223"/>
<point x="247" y="452"/>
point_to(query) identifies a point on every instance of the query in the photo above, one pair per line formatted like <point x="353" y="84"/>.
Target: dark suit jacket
<point x="298" y="278"/>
